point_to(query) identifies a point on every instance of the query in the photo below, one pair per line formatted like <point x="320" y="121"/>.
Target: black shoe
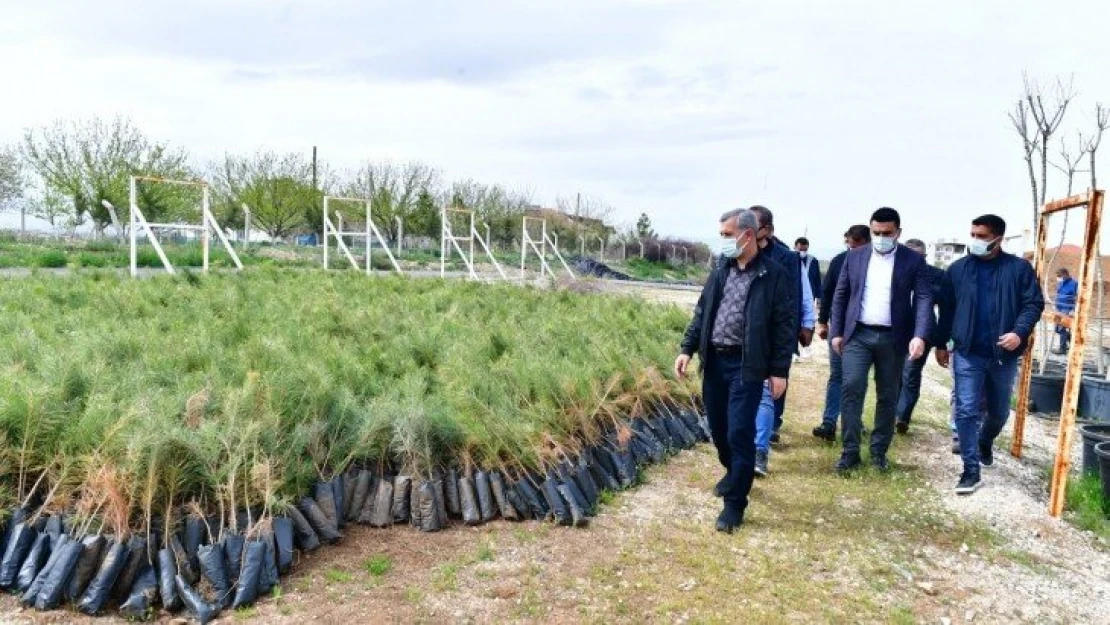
<point x="880" y="463"/>
<point x="969" y="482"/>
<point x="956" y="446"/>
<point x="719" y="489"/>
<point x="826" y="432"/>
<point x="775" y="438"/>
<point x="902" y="427"/>
<point x="986" y="455"/>
<point x="848" y="462"/>
<point x="761" y="464"/>
<point x="729" y="520"/>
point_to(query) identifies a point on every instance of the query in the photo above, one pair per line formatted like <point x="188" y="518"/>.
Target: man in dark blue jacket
<point x="855" y="236"/>
<point x="745" y="330"/>
<point x="1066" y="290"/>
<point x="990" y="302"/>
<point x="911" y="371"/>
<point x="811" y="267"/>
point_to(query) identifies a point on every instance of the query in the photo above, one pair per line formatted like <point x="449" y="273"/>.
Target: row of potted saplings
<point x="48" y="561"/>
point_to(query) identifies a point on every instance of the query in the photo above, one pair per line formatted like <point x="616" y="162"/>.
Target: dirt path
<point x="816" y="547"/>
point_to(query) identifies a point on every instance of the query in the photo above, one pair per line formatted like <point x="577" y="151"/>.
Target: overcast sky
<point x="823" y="111"/>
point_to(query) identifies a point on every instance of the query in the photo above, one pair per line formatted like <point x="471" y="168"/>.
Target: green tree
<point x="395" y="190"/>
<point x="276" y="187"/>
<point x="643" y="227"/>
<point x="12" y="182"/>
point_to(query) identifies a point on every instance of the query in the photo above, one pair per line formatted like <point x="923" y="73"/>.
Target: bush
<point x="102" y="246"/>
<point x="51" y="259"/>
<point x="86" y="259"/>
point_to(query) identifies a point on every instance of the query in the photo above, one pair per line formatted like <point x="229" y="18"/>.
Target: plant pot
<point x="1102" y="450"/>
<point x="1093" y="434"/>
<point x="1046" y="392"/>
<point x="1094" y="399"/>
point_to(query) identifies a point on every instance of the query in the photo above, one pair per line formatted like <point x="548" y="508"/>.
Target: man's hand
<point x="680" y="365"/>
<point x="778" y="387"/>
<point x="823" y="331"/>
<point x="917" y="348"/>
<point x="838" y="344"/>
<point x="943" y="357"/>
<point x="805" y="336"/>
<point x="1009" y="341"/>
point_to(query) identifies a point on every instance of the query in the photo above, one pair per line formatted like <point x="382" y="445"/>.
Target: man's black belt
<point x="727" y="350"/>
<point x="877" y="328"/>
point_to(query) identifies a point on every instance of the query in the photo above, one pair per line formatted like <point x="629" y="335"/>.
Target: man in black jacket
<point x="745" y="330"/>
<point x="855" y="237"/>
<point x="990" y="302"/>
<point x="911" y="371"/>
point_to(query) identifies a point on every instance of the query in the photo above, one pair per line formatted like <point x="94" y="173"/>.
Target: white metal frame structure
<point x="539" y="247"/>
<point x="367" y="235"/>
<point x="448" y="240"/>
<point x="206" y="227"/>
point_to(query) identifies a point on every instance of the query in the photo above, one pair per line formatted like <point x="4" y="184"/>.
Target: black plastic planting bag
<point x="451" y="490"/>
<point x="22" y="538"/>
<point x="678" y="430"/>
<point x="441" y="502"/>
<point x="143" y="593"/>
<point x="516" y="500"/>
<point x="587" y="487"/>
<point x="358" y="498"/>
<point x="556" y="503"/>
<point x="536" y="502"/>
<point x="17" y="516"/>
<point x="497" y="487"/>
<point x="96" y="595"/>
<point x="54" y="584"/>
<point x="201" y="610"/>
<point x="382" y="514"/>
<point x="32" y="592"/>
<point x="577" y="515"/>
<point x="137" y="557"/>
<point x="246" y="591"/>
<point x="185" y="567"/>
<point x="54" y="527"/>
<point x="233" y="556"/>
<point x="601" y="466"/>
<point x="485" y="497"/>
<point x="324" y="494"/>
<point x="426" y="507"/>
<point x="270" y="576"/>
<point x="339" y="490"/>
<point x="167" y="569"/>
<point x="321" y="524"/>
<point x="306" y="537"/>
<point x="366" y="514"/>
<point x="402" y="485"/>
<point x="349" y="481"/>
<point x="214" y="571"/>
<point x="88" y="561"/>
<point x="283" y="543"/>
<point x="470" y="512"/>
<point x="625" y="467"/>
<point x="35" y="560"/>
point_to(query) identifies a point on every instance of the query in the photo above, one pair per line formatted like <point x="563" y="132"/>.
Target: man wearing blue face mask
<point x="882" y="311"/>
<point x="990" y="301"/>
<point x="744" y="328"/>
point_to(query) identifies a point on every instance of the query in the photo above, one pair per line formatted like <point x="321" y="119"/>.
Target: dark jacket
<point x="770" y="333"/>
<point x="828" y="287"/>
<point x="1065" y="296"/>
<point x="1018" y="302"/>
<point x="936" y="275"/>
<point x="787" y="258"/>
<point x="813" y="274"/>
<point x="909" y="316"/>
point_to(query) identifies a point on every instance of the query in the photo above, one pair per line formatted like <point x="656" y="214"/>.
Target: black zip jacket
<point x="1018" y="302"/>
<point x="828" y="287"/>
<point x="771" y="328"/>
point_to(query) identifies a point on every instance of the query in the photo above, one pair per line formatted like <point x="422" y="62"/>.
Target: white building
<point x="946" y="251"/>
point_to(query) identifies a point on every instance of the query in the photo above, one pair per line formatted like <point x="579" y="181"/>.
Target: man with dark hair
<point x="854" y="237"/>
<point x="771" y="410"/>
<point x="811" y="268"/>
<point x="911" y="370"/>
<point x="745" y="329"/>
<point x="876" y="321"/>
<point x="1066" y="291"/>
<point x="990" y="301"/>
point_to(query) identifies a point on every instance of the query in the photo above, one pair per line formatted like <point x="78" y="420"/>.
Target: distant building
<point x="947" y="251"/>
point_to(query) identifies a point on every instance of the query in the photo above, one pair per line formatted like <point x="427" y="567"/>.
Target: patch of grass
<point x="337" y="576"/>
<point x="446" y="577"/>
<point x="245" y="614"/>
<point x="378" y="565"/>
<point x="51" y="259"/>
<point x="606" y="497"/>
<point x="413" y="594"/>
<point x="1089" y="509"/>
<point x="485" y="553"/>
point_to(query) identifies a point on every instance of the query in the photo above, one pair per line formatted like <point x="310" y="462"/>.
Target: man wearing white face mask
<point x="882" y="310"/>
<point x="744" y="328"/>
<point x="990" y="301"/>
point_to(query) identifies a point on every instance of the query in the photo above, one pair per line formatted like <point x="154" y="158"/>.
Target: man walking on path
<point x="876" y="320"/>
<point x="811" y="267"/>
<point x="911" y="370"/>
<point x="990" y="301"/>
<point x="855" y="237"/>
<point x="1066" y="290"/>
<point x="745" y="329"/>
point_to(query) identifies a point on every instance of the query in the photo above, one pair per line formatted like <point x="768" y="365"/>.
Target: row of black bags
<point x="47" y="564"/>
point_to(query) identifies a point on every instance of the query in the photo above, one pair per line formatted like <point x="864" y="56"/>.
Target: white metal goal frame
<point x="206" y="227"/>
<point x="539" y="247"/>
<point x="448" y="240"/>
<point x="368" y="235"/>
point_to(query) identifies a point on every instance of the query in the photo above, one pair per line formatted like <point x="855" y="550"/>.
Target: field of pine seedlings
<point x="169" y="443"/>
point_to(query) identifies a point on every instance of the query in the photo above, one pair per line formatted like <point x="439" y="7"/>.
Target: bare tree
<point x="1102" y="122"/>
<point x="393" y="189"/>
<point x="1069" y="161"/>
<point x="1030" y="141"/>
<point x="1048" y="117"/>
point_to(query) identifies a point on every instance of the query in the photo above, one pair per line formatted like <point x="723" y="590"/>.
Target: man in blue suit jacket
<point x="882" y="310"/>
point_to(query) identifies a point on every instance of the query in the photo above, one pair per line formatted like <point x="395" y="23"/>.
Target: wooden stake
<point x="1027" y="359"/>
<point x="1075" y="356"/>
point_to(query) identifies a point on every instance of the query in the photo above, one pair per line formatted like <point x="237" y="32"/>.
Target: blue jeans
<point x="981" y="380"/>
<point x="911" y="386"/>
<point x="765" y="419"/>
<point x="730" y="406"/>
<point x="832" y="389"/>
